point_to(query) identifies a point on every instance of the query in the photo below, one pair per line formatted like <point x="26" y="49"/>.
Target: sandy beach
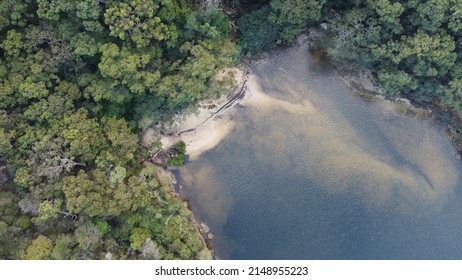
<point x="205" y="128"/>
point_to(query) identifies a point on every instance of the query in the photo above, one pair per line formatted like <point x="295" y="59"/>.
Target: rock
<point x="205" y="228"/>
<point x="410" y="113"/>
<point x="108" y="256"/>
<point x="324" y="25"/>
<point x="403" y="101"/>
<point x="210" y="236"/>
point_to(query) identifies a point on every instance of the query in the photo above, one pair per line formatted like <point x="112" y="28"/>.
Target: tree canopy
<point x="79" y="80"/>
<point x="414" y="47"/>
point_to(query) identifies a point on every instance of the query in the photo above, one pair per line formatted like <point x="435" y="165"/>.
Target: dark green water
<point x="316" y="172"/>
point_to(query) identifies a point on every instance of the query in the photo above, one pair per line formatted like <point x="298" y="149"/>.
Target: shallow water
<point x="313" y="171"/>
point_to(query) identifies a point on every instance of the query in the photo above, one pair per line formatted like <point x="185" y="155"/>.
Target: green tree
<point x="455" y="17"/>
<point x="257" y="33"/>
<point x="84" y="135"/>
<point x="40" y="249"/>
<point x="293" y="15"/>
<point x="431" y="14"/>
<point x="412" y="46"/>
<point x="137" y="20"/>
<point x="64" y="247"/>
<point x="88" y="238"/>
<point x="127" y="67"/>
<point x="78" y="79"/>
<point x="389" y="15"/>
<point x="51" y="9"/>
<point x="138" y="237"/>
<point x="14" y="13"/>
<point x="48" y="210"/>
<point x="452" y="95"/>
<point x="90" y="11"/>
<point x="206" y="22"/>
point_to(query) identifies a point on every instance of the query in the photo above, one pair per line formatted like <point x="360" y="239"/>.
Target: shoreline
<point x="365" y="85"/>
<point x="212" y="121"/>
<point x="201" y="131"/>
<point x="206" y="128"/>
<point x="208" y="125"/>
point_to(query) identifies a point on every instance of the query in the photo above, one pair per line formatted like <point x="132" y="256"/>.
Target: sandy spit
<point x="205" y="128"/>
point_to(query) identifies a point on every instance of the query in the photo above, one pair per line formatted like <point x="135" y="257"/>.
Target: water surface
<point x="316" y="172"/>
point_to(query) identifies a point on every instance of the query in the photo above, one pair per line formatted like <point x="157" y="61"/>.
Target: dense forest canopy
<point x="79" y="80"/>
<point x="413" y="47"/>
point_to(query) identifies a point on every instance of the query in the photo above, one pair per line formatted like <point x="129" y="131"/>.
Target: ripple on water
<point x="311" y="171"/>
